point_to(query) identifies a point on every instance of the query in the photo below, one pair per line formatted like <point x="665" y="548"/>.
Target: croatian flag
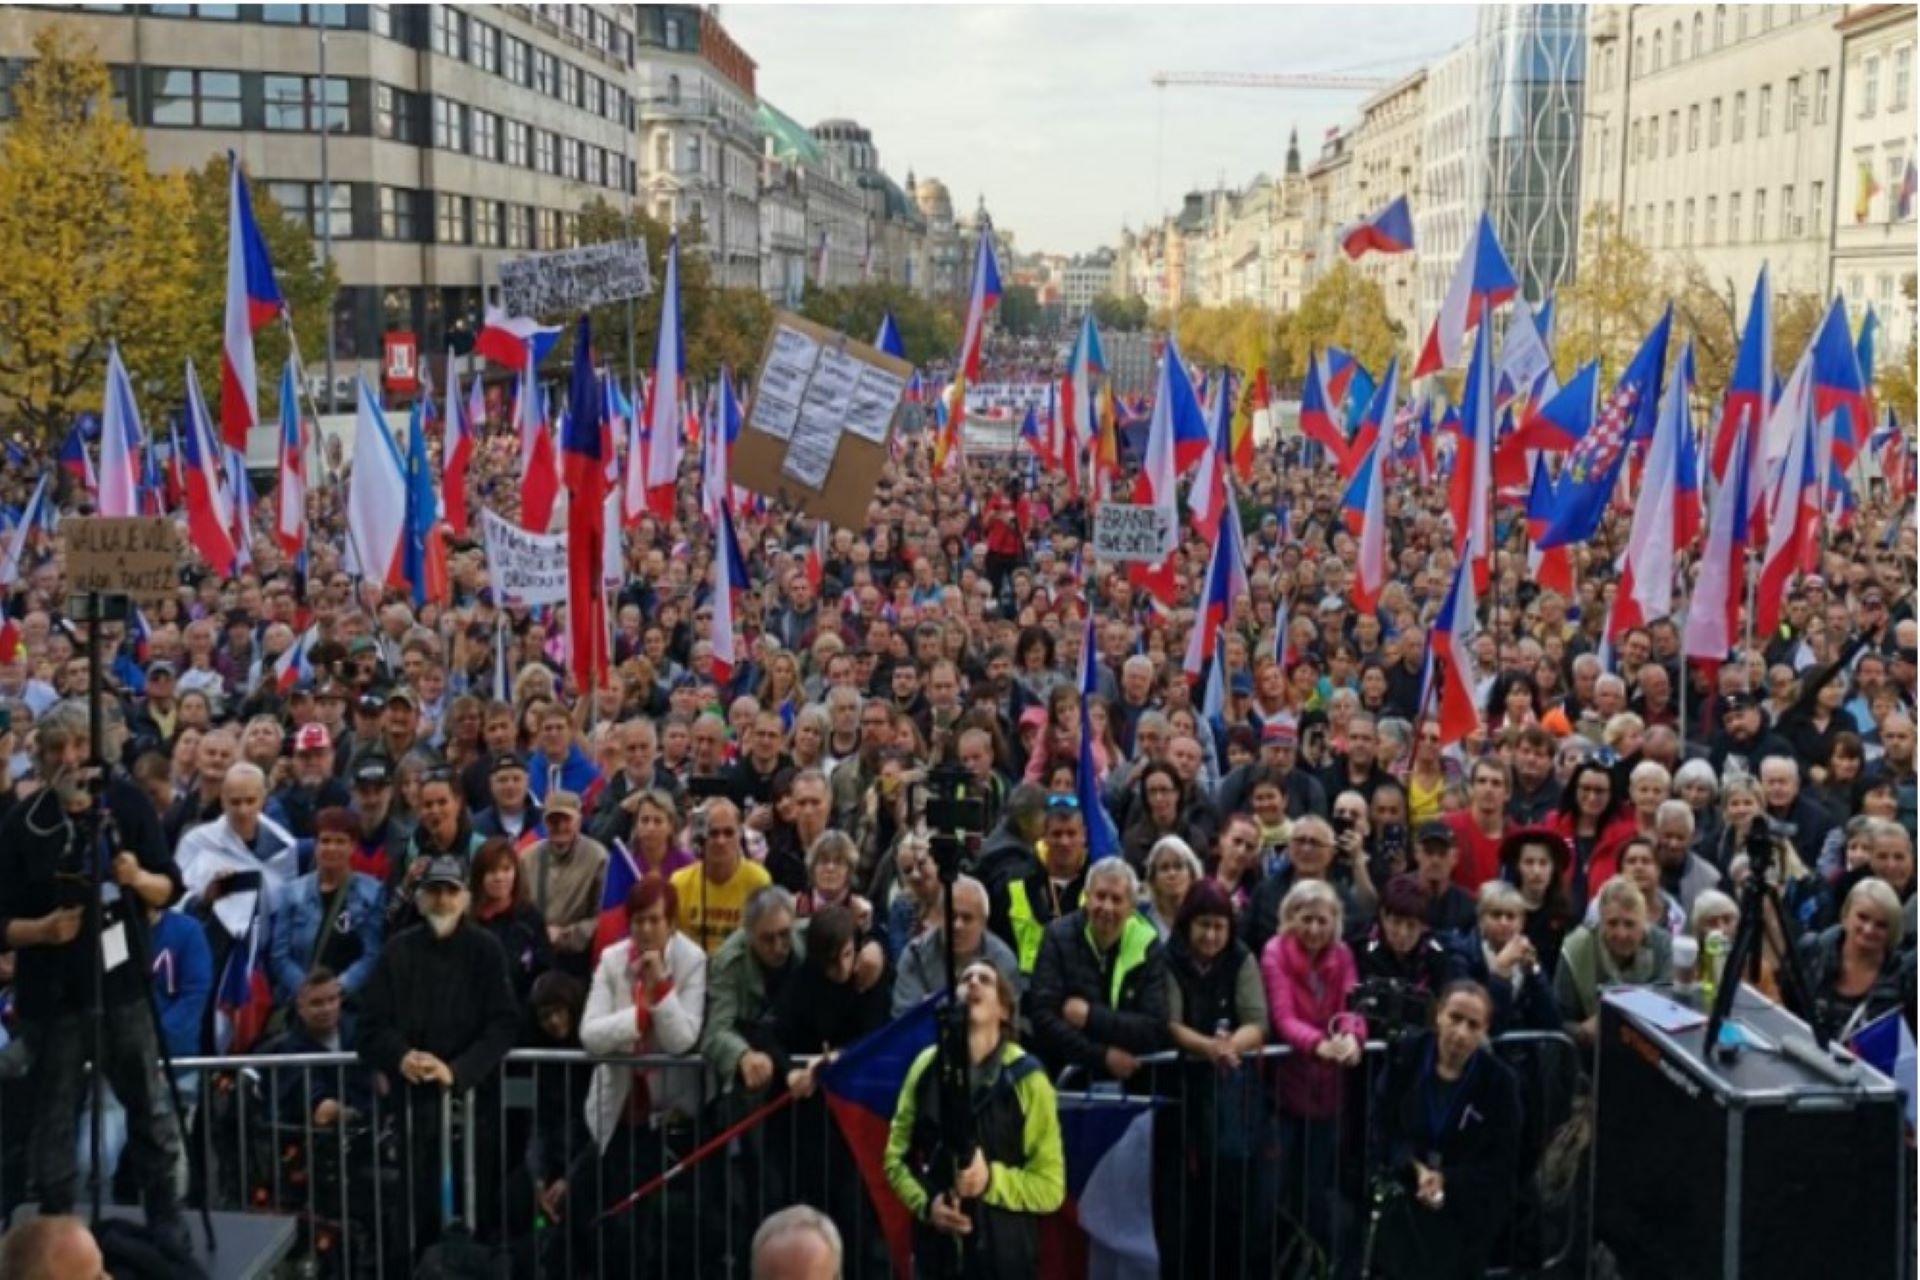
<point x="121" y="439"/>
<point x="209" y="519"/>
<point x="1481" y="282"/>
<point x="1593" y="468"/>
<point x="253" y="302"/>
<point x="1558" y="424"/>
<point x="291" y="526"/>
<point x="665" y="409"/>
<point x="1388" y="231"/>
<point x="514" y="341"/>
<point x="1452" y="651"/>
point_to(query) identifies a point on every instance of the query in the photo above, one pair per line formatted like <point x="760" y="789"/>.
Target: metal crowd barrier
<point x="1240" y="1187"/>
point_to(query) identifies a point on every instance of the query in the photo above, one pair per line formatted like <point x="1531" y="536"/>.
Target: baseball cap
<point x="313" y="737"/>
<point x="1437" y="833"/>
<point x="1737" y="701"/>
<point x="160" y="667"/>
<point x="371" y="703"/>
<point x="361" y="644"/>
<point x="1280" y="731"/>
<point x="373" y="770"/>
<point x="445" y="871"/>
<point x="1243" y="683"/>
<point x="400" y="693"/>
<point x="504" y="761"/>
<point x="331" y="689"/>
<point x="563" y="802"/>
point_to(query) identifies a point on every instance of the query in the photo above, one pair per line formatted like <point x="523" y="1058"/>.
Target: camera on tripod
<point x="1390" y="1006"/>
<point x="955" y="817"/>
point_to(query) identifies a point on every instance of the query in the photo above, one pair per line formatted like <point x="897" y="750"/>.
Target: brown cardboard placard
<point x="760" y="458"/>
<point x="137" y="556"/>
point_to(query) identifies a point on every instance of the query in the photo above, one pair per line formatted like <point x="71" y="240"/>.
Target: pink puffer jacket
<point x="1306" y="993"/>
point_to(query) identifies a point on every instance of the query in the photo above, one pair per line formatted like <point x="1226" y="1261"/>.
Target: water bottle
<point x="1711" y="963"/>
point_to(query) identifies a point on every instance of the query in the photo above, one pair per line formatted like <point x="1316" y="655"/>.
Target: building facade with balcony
<point x="437" y="141"/>
<point x="896" y="229"/>
<point x="699" y="142"/>
<point x="1711" y="136"/>
<point x="1873" y="249"/>
<point x="836" y="208"/>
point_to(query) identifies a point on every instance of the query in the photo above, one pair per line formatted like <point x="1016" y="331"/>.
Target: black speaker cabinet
<point x="1747" y="1170"/>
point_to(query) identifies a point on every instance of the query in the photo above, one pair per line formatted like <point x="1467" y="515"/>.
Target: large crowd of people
<point x="414" y="842"/>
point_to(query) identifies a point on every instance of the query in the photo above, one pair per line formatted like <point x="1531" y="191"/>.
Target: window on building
<point x="670" y="32"/>
<point x="673" y="90"/>
<point x="1673" y="133"/>
<point x="1693" y="127"/>
<point x="486" y="134"/>
<point x="449" y="124"/>
<point x="306" y="203"/>
<point x="547" y="228"/>
<point x="662" y="153"/>
<point x="544" y="159"/>
<point x="1699" y="35"/>
<point x="543" y="73"/>
<point x="1821" y="84"/>
<point x="281" y="14"/>
<point x="1869" y="86"/>
<point x="1759" y="217"/>
<point x="447" y="31"/>
<point x="1640" y="55"/>
<point x="696" y="159"/>
<point x="398" y="209"/>
<point x="1739" y="115"/>
<point x="1733" y="218"/>
<point x="1719" y="25"/>
<point x="593" y="166"/>
<point x="450" y="219"/>
<point x="1763" y="113"/>
<point x="1677" y="47"/>
<point x="302" y="103"/>
<point x="1633" y="146"/>
<point x="489" y="223"/>
<point x="483" y="45"/>
<point x="1789" y="228"/>
<point x="1740" y="22"/>
<point x="1710" y="225"/>
<point x="1896" y="175"/>
<point x="1659" y="49"/>
<point x="1686" y="224"/>
<point x="1713" y="123"/>
<point x="569" y="84"/>
<point x="513" y="57"/>
<point x="519" y="227"/>
<point x="570" y="158"/>
<point x="209" y="99"/>
<point x="1817" y="208"/>
<point x="396" y="114"/>
<point x="1902" y="78"/>
<point x="1666" y="225"/>
<point x="380" y="19"/>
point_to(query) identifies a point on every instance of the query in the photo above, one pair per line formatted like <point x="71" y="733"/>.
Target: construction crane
<point x="1263" y="80"/>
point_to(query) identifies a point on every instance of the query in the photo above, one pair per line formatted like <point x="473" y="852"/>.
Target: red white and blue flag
<point x="456" y="451"/>
<point x="243" y="1002"/>
<point x="515" y="341"/>
<point x="982" y="298"/>
<point x="585" y="449"/>
<point x="1451" y="645"/>
<point x="665" y="408"/>
<point x="209" y="519"/>
<point x="1208" y="496"/>
<point x="729" y="576"/>
<point x="1593" y="467"/>
<point x="1364" y="506"/>
<point x="1481" y="282"/>
<point x="1225" y="586"/>
<point x="1106" y="1226"/>
<point x="1666" y="517"/>
<point x="1793" y="500"/>
<point x="1550" y="567"/>
<point x="1840" y="389"/>
<point x="1390" y="230"/>
<point x="888" y="338"/>
<point x="1103" y="836"/>
<point x="1713" y="614"/>
<point x="122" y="440"/>
<point x="376" y="498"/>
<point x="1471" y="488"/>
<point x="290" y="528"/>
<point x="253" y="302"/>
<point x="77" y="462"/>
<point x="1749" y="399"/>
<point x="539" y="468"/>
<point x="1178" y="426"/>
<point x="1320" y="413"/>
<point x="17" y="538"/>
<point x="292" y="666"/>
<point x="623" y="873"/>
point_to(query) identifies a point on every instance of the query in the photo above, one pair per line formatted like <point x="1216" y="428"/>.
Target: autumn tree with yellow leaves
<point x="91" y="243"/>
<point x="1343" y="309"/>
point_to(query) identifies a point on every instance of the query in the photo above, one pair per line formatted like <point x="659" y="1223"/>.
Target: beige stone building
<point x="1388" y="162"/>
<point x="1873" y="249"/>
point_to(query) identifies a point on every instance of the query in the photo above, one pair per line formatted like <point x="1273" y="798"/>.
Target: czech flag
<point x="623" y="873"/>
<point x="1551" y="567"/>
<point x="582" y="446"/>
<point x="209" y="520"/>
<point x="291" y="527"/>
<point x="1178" y="426"/>
<point x="1713" y="614"/>
<point x="1471" y="489"/>
<point x="376" y="498"/>
<point x="1793" y="503"/>
<point x="1666" y="516"/>
<point x="1886" y="1043"/>
<point x="1749" y="398"/>
<point x="888" y="339"/>
<point x="1341" y="366"/>
<point x="1208" y="496"/>
<point x="456" y="451"/>
<point x="77" y="462"/>
<point x="539" y="469"/>
<point x="253" y="302"/>
<point x="1838" y="383"/>
<point x="1226" y="586"/>
<point x="1103" y="837"/>
<point x="1452" y="652"/>
<point x="1483" y="280"/>
<point x="17" y="539"/>
<point x="244" y="1001"/>
<point x="291" y="667"/>
<point x="121" y="441"/>
<point x="1319" y="408"/>
<point x="1388" y="231"/>
<point x="983" y="298"/>
<point x="665" y="409"/>
<point x="729" y="576"/>
<point x="1106" y="1226"/>
<point x="515" y="341"/>
<point x="862" y="1088"/>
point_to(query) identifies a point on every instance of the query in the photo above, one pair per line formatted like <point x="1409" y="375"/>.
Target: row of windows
<point x="362" y="211"/>
<point x="488" y="135"/>
<point x="1746" y="223"/>
<point x="1739" y="20"/>
<point x="1898" y="91"/>
<point x="177" y="97"/>
<point x="456" y="35"/>
<point x="1644" y="136"/>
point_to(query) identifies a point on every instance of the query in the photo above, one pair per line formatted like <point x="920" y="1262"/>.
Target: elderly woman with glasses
<point x="1172" y="870"/>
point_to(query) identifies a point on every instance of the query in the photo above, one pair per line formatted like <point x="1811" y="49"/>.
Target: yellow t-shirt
<point x="710" y="911"/>
<point x="1424" y="801"/>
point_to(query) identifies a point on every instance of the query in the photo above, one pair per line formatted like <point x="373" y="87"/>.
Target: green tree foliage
<point x="1019" y="311"/>
<point x="91" y="244"/>
<point x="929" y="330"/>
<point x="306" y="284"/>
<point x="721" y="326"/>
<point x="1712" y="314"/>
<point x="1121" y="315"/>
<point x="1343" y="309"/>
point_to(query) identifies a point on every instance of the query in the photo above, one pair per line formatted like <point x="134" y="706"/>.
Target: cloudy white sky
<point x="1048" y="112"/>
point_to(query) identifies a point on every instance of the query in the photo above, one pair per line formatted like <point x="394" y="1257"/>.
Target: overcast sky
<point x="1048" y="112"/>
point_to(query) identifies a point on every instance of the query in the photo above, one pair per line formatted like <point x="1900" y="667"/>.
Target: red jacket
<point x="1604" y="865"/>
<point x="1479" y="859"/>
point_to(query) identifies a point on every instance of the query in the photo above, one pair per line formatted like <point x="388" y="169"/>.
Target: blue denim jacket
<point x="296" y="927"/>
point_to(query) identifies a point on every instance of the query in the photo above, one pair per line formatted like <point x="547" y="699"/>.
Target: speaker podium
<point x="1752" y="1169"/>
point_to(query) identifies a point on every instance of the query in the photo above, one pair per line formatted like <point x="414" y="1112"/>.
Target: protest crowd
<point x="397" y="844"/>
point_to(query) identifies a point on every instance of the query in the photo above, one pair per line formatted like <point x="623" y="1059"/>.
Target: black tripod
<point x="99" y="836"/>
<point x="951" y="815"/>
<point x="1758" y="896"/>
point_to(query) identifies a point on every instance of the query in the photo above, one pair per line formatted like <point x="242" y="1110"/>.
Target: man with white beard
<point x="438" y="1015"/>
